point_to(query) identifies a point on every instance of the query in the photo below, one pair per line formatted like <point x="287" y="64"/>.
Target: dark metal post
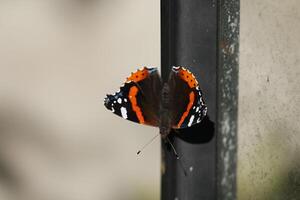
<point x="195" y="34"/>
<point x="229" y="21"/>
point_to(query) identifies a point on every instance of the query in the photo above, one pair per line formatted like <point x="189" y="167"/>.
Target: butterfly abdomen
<point x="165" y="120"/>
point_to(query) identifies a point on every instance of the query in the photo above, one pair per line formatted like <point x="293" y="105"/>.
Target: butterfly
<point x="146" y="99"/>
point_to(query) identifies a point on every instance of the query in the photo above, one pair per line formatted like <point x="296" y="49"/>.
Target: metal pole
<point x="228" y="37"/>
<point x="196" y="34"/>
<point x="189" y="38"/>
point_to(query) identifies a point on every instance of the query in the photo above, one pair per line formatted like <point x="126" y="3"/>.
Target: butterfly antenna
<point x="177" y="156"/>
<point x="139" y="151"/>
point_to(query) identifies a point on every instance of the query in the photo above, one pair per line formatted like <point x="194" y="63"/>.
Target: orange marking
<point x="132" y="97"/>
<point x="186" y="113"/>
<point x="138" y="75"/>
<point x="188" y="77"/>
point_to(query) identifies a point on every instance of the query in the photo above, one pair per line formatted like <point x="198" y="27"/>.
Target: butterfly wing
<point x="187" y="106"/>
<point x="138" y="100"/>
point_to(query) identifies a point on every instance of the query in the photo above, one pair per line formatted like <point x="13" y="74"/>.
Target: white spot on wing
<point x="124" y="112"/>
<point x="191" y="120"/>
<point x="199" y="120"/>
<point x="197" y="109"/>
<point x="201" y="101"/>
<point x="125" y="100"/>
<point x="119" y="100"/>
<point x="205" y="111"/>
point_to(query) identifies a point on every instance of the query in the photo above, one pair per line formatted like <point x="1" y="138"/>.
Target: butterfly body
<point x="145" y="99"/>
<point x="165" y="124"/>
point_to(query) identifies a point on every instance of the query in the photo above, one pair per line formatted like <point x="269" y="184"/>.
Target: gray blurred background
<point x="58" y="59"/>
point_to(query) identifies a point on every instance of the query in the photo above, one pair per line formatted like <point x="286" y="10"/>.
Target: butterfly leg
<point x="176" y="131"/>
<point x="167" y="140"/>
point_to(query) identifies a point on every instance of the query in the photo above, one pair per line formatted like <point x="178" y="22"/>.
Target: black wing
<point x="187" y="105"/>
<point x="138" y="100"/>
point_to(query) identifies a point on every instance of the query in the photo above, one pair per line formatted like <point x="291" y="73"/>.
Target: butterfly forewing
<point x="137" y="100"/>
<point x="187" y="105"/>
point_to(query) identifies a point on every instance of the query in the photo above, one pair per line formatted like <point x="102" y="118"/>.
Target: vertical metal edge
<point x="178" y="22"/>
<point x="168" y="166"/>
<point x="227" y="82"/>
<point x="167" y="37"/>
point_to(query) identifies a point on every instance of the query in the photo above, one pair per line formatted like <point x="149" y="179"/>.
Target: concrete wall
<point x="269" y="97"/>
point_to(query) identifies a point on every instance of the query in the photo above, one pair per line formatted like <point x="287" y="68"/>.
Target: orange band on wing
<point x="132" y="97"/>
<point x="139" y="75"/>
<point x="188" y="77"/>
<point x="186" y="113"/>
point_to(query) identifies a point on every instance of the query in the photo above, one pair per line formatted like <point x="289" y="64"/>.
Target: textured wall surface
<point x="269" y="113"/>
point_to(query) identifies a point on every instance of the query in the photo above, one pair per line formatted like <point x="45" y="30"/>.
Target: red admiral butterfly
<point x="145" y="99"/>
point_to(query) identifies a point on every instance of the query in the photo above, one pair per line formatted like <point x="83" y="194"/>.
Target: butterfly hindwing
<point x="137" y="100"/>
<point x="187" y="105"/>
